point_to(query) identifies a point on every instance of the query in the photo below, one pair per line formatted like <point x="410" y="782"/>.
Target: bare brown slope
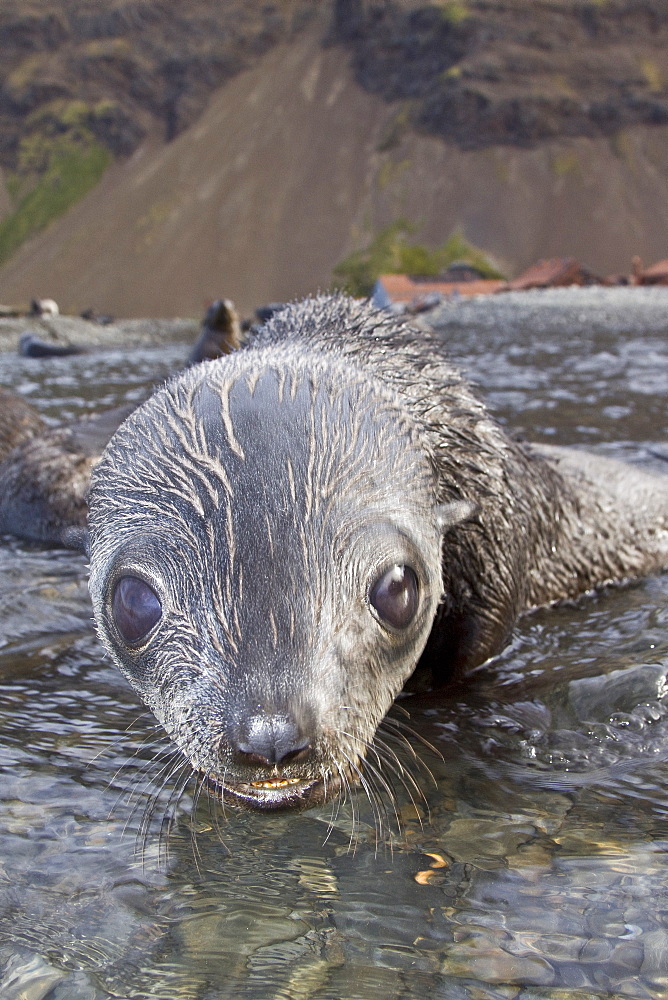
<point x="283" y="174"/>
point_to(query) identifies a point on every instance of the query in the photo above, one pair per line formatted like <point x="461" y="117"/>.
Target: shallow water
<point x="532" y="859"/>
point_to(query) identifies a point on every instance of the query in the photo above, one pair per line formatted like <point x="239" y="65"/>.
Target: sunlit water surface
<point x="530" y="856"/>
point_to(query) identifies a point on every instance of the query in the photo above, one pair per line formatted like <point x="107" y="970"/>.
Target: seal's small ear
<point x="448" y="515"/>
<point x="76" y="538"/>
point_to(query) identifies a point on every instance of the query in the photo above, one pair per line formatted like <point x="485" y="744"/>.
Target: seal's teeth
<point x="276" y="783"/>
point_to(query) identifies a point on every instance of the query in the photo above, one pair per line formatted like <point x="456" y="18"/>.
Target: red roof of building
<point x="401" y="288"/>
<point x="553" y="273"/>
<point x="657" y="274"/>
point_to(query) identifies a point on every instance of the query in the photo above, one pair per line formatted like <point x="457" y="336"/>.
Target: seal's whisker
<point x="352" y="844"/>
<point x="135" y="770"/>
<point x="121" y="739"/>
<point x="370" y="745"/>
<point x="130" y="789"/>
<point x="166" y="774"/>
<point x="396" y="765"/>
<point x="145" y="764"/>
<point x="340" y="799"/>
<point x="389" y="791"/>
<point x="372" y="795"/>
<point x="200" y="781"/>
<point x="402" y="740"/>
<point x="375" y="799"/>
<point x="382" y="824"/>
<point x="379" y="778"/>
<point x="420" y="762"/>
<point x="212" y="799"/>
<point x="332" y="817"/>
<point x="215" y="797"/>
<point x="164" y="777"/>
<point x="389" y="722"/>
<point x="136" y="767"/>
<point x="404" y="777"/>
<point x="336" y="806"/>
<point x="383" y="779"/>
<point x="169" y="816"/>
<point x="169" y="812"/>
<point x="221" y="797"/>
<point x="386" y="794"/>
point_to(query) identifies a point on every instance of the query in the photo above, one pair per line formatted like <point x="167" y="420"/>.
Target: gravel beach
<point x="98" y="336"/>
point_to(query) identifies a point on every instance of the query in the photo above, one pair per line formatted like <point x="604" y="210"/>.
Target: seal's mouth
<point x="273" y="793"/>
<point x="275" y="783"/>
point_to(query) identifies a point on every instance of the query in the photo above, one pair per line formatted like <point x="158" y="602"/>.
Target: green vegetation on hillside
<point x="59" y="161"/>
<point x="454" y="11"/>
<point x="392" y="252"/>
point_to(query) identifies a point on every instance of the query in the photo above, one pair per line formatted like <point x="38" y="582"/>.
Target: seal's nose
<point x="265" y="740"/>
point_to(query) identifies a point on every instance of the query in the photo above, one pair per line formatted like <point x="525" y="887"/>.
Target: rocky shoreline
<point x="84" y="334"/>
<point x="554" y="310"/>
<point x="557" y="311"/>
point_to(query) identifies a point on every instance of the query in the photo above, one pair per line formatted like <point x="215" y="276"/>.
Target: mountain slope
<point x="293" y="164"/>
<point x="489" y="72"/>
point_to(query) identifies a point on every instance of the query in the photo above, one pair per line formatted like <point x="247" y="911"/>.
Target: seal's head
<point x="265" y="537"/>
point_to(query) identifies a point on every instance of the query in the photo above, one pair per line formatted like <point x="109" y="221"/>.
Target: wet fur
<point x="259" y="494"/>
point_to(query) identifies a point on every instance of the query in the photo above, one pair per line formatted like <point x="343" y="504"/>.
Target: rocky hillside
<point x="245" y="147"/>
<point x="137" y="65"/>
<point x="477" y="72"/>
<point x="484" y="72"/>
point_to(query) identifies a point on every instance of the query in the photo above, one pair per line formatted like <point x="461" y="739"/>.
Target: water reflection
<point x="530" y="861"/>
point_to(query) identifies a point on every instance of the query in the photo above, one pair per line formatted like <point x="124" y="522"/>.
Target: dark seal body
<point x="219" y="334"/>
<point x="19" y="421"/>
<point x="278" y="537"/>
<point x="31" y="345"/>
<point x="45" y="471"/>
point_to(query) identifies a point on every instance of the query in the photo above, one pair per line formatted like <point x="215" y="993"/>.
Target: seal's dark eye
<point x="394" y="595"/>
<point x="135" y="608"/>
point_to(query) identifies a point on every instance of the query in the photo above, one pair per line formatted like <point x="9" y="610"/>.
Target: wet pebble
<point x="239" y="930"/>
<point x="474" y="839"/>
<point x="479" y="958"/>
<point x="496" y="993"/>
<point x="554" y="917"/>
<point x="596" y="950"/>
<point x="560" y="947"/>
<point x="557" y="995"/>
<point x="76" y="987"/>
<point x="655" y="961"/>
<point x="28" y="976"/>
<point x="626" y="958"/>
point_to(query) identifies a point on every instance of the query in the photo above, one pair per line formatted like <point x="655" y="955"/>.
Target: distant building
<point x="461" y="270"/>
<point x="657" y="274"/>
<point x="398" y="290"/>
<point x="557" y="272"/>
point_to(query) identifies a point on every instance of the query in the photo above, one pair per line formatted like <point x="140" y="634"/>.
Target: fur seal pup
<point x="220" y="333"/>
<point x="33" y="346"/>
<point x="277" y="537"/>
<point x="19" y="421"/>
<point x="45" y="471"/>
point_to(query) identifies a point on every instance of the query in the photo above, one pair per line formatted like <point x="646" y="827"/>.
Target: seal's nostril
<point x="298" y="754"/>
<point x="271" y="739"/>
